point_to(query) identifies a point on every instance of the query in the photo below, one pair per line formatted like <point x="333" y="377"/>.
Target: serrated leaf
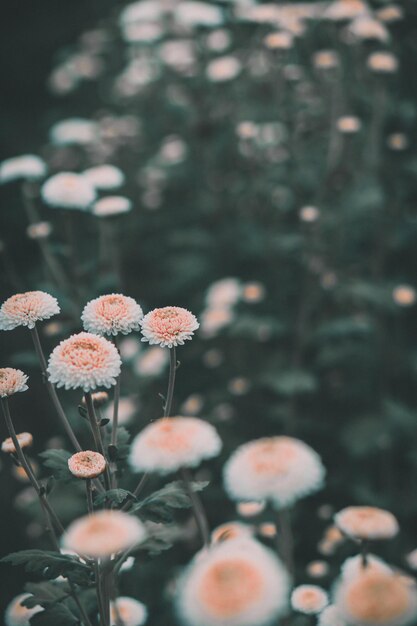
<point x="57" y="461"/>
<point x="117" y="496"/>
<point x="50" y="565"/>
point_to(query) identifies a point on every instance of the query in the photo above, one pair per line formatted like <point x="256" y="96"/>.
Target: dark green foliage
<point x="50" y="565"/>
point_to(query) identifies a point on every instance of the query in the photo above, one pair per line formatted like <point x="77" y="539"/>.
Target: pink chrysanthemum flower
<point x="112" y="314"/>
<point x="84" y="361"/>
<point x="131" y="611"/>
<point x="232" y="586"/>
<point x="25" y="309"/>
<point x="174" y="442"/>
<point x="18" y="615"/>
<point x="12" y="381"/>
<point x="309" y="599"/>
<point x="169" y="326"/>
<point x="87" y="464"/>
<point x="25" y="440"/>
<point x="367" y="522"/>
<point x="104" y="533"/>
<point x="279" y="469"/>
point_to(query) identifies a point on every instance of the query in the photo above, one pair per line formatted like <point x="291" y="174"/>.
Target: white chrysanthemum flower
<point x="68" y="191"/>
<point x="73" y="131"/>
<point x="104" y="533"/>
<point x="131" y="611"/>
<point x="25" y="167"/>
<point x="152" y="362"/>
<point x="169" y="326"/>
<point x="279" y="469"/>
<point x="170" y="443"/>
<point x="223" y="68"/>
<point x="25" y="309"/>
<point x="18" y="615"/>
<point x="104" y="177"/>
<point x="354" y="565"/>
<point x="233" y="585"/>
<point x="111" y="205"/>
<point x="189" y="13"/>
<point x="331" y="617"/>
<point x="84" y="361"/>
<point x="12" y="381"/>
<point x="309" y="599"/>
<point x="112" y="314"/>
<point x="224" y="293"/>
<point x="367" y="522"/>
<point x="25" y="440"/>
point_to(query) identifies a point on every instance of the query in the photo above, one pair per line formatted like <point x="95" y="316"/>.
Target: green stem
<point x="171" y="381"/>
<point x="285" y="540"/>
<point x="95" y="429"/>
<point x="198" y="508"/>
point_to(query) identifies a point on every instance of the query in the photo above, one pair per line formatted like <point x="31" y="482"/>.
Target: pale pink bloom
<point x="404" y="295"/>
<point x="152" y="362"/>
<point x="128" y="408"/>
<point x="223" y="293"/>
<point x="309" y="599"/>
<point x="411" y="559"/>
<point x="326" y="59"/>
<point x="214" y="319"/>
<point x="101" y="534"/>
<point x="397" y="141"/>
<point x="87" y="464"/>
<point x="352" y="567"/>
<point x="367" y="522"/>
<point x="192" y="405"/>
<point x="104" y="176"/>
<point x="317" y="569"/>
<point x="267" y="530"/>
<point x="111" y="205"/>
<point x="250" y="509"/>
<point x="25" y="309"/>
<point x="12" y="381"/>
<point x="281" y="40"/>
<point x="340" y="10"/>
<point x="112" y="314"/>
<point x="309" y="214"/>
<point x="365" y="27"/>
<point x="253" y="292"/>
<point x="170" y="443"/>
<point x="331" y="617"/>
<point x="39" y="230"/>
<point x="25" y="440"/>
<point x="130" y="611"/>
<point x="390" y="13"/>
<point x="168" y="327"/>
<point x="68" y="191"/>
<point x="74" y="130"/>
<point x="382" y="62"/>
<point x="231" y="531"/>
<point x="18" y="615"/>
<point x="348" y="124"/>
<point x="28" y="166"/>
<point x="84" y="361"/>
<point x="223" y="69"/>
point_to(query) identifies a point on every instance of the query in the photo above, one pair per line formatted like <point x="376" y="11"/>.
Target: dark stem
<point x="113" y="440"/>
<point x="89" y="492"/>
<point x="95" y="429"/>
<point x="197" y="505"/>
<point x="171" y="381"/>
<point x="364" y="553"/>
<point x="285" y="540"/>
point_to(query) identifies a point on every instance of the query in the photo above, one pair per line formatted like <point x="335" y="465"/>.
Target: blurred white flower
<point x="130" y="611"/>
<point x="223" y="69"/>
<point x="191" y="14"/>
<point x="111" y="205"/>
<point x="18" y="615"/>
<point x="104" y="176"/>
<point x="68" y="191"/>
<point x="25" y="167"/>
<point x="73" y="131"/>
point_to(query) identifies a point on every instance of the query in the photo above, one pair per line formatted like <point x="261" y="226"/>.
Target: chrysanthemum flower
<point x="112" y="314"/>
<point x="317" y="569"/>
<point x="404" y="295"/>
<point x="229" y="586"/>
<point x="111" y="205"/>
<point x="331" y="617"/>
<point x="376" y="598"/>
<point x="411" y="559"/>
<point x="366" y="522"/>
<point x="309" y="599"/>
<point x="170" y="443"/>
<point x="354" y="566"/>
<point x="68" y="191"/>
<point x="230" y="531"/>
<point x="12" y="381"/>
<point x="340" y="10"/>
<point x="250" y="509"/>
<point x="365" y="27"/>
<point x="28" y="166"/>
<point x="84" y="361"/>
<point x="104" y="176"/>
<point x="280" y="469"/>
<point x="131" y="611"/>
<point x="25" y="440"/>
<point x="193" y="13"/>
<point x="87" y="464"/>
<point x="39" y="230"/>
<point x="224" y="293"/>
<point x="169" y="326"/>
<point x="25" y="309"/>
<point x="382" y="62"/>
<point x="18" y="615"/>
<point x="267" y="530"/>
<point x="223" y="69"/>
<point x="348" y="124"/>
<point x="74" y="130"/>
<point x="104" y="533"/>
<point x="128" y="408"/>
<point x="326" y="59"/>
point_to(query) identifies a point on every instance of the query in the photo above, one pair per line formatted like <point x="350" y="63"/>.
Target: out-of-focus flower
<point x="382" y="62"/>
<point x="367" y="522"/>
<point x="411" y="559"/>
<point x="25" y="309"/>
<point x="404" y="295"/>
<point x="152" y="362"/>
<point x="279" y="469"/>
<point x="129" y="347"/>
<point x="179" y="54"/>
<point x="146" y="32"/>
<point x="331" y="617"/>
<point x="309" y="214"/>
<point x="104" y="176"/>
<point x="20" y="474"/>
<point x="111" y="205"/>
<point x="238" y="386"/>
<point x="253" y="292"/>
<point x="397" y="141"/>
<point x="218" y="40"/>
<point x="39" y="230"/>
<point x="231" y="585"/>
<point x="231" y="531"/>
<point x="112" y="314"/>
<point x="223" y="69"/>
<point x="128" y="408"/>
<point x="73" y="131"/>
<point x="87" y="464"/>
<point x="25" y="440"/>
<point x="366" y="27"/>
<point x="281" y="40"/>
<point x="68" y="191"/>
<point x="390" y="13"/>
<point x="173" y="150"/>
<point x="348" y="124"/>
<point x="213" y="358"/>
<point x="84" y="361"/>
<point x="104" y="533"/>
<point x="12" y="381"/>
<point x="18" y="615"/>
<point x="130" y="611"/>
<point x="214" y="319"/>
<point x="317" y="569"/>
<point x="250" y="509"/>
<point x="169" y="326"/>
<point x="354" y="566"/>
<point x="170" y="443"/>
<point x="192" y="405"/>
<point x="309" y="599"/>
<point x="191" y="14"/>
<point x="245" y="130"/>
<point x="25" y="167"/>
<point x="326" y="59"/>
<point x="340" y="10"/>
<point x="267" y="530"/>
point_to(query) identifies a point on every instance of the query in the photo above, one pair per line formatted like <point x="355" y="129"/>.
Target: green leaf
<point x="117" y="496"/>
<point x="57" y="461"/>
<point x="50" y="565"/>
<point x="45" y="593"/>
<point x="156" y="507"/>
<point x="56" y="614"/>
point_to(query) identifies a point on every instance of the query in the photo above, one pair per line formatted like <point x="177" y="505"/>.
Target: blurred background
<point x="269" y="158"/>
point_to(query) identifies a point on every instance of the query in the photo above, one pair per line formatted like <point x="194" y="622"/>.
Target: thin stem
<point x="171" y="381"/>
<point x="95" y="429"/>
<point x="364" y="553"/>
<point x="88" y="488"/>
<point x="113" y="440"/>
<point x="198" y="508"/>
<point x="285" y="540"/>
<point x="99" y="592"/>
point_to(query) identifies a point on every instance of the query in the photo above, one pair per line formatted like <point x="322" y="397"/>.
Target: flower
<point x="11" y="381"/>
<point x="309" y="213"/>
<point x="309" y="599"/>
<point x="365" y="27"/>
<point x="281" y="469"/>
<point x="253" y="292"/>
<point x="87" y="464"/>
<point x="317" y="569"/>
<point x="170" y="443"/>
<point x="281" y="40"/>
<point x="267" y="529"/>
<point x="366" y="522"/>
<point x="111" y="205"/>
<point x="104" y="176"/>
<point x="18" y="615"/>
<point x="326" y="59"/>
<point x="25" y="440"/>
<point x="74" y="130"/>
<point x="101" y="534"/>
<point x="331" y="617"/>
<point x="27" y="166"/>
<point x="231" y="531"/>
<point x="382" y="62"/>
<point x="151" y="362"/>
<point x="68" y="191"/>
<point x="340" y="10"/>
<point x="397" y="141"/>
<point x="112" y="314"/>
<point x="25" y="309"/>
<point x="128" y="408"/>
<point x="84" y="361"/>
<point x="169" y="326"/>
<point x="224" y="293"/>
<point x="404" y="295"/>
<point x="376" y="598"/>
<point x="194" y="13"/>
<point x="223" y="69"/>
<point x="250" y="509"/>
<point x="131" y="611"/>
<point x="39" y="230"/>
<point x="355" y="565"/>
<point x="232" y="586"/>
<point x="411" y="559"/>
<point x="348" y="124"/>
